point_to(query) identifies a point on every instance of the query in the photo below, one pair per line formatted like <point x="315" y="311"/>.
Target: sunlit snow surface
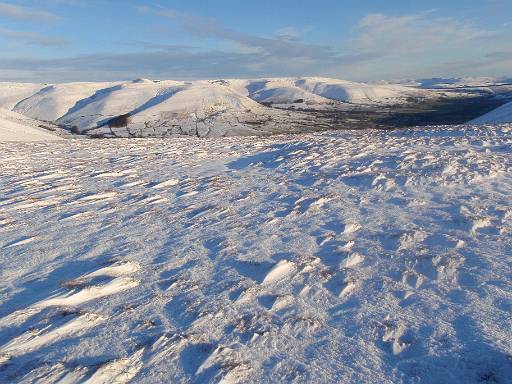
<point x="502" y="114"/>
<point x="348" y="257"/>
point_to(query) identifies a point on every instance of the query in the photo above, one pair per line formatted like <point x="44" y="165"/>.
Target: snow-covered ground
<point x="350" y="257"/>
<point x="318" y="92"/>
<point x="502" y="114"/>
<point x="16" y="127"/>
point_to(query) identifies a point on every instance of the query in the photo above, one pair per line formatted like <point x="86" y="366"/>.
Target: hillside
<point x="360" y="93"/>
<point x="161" y="108"/>
<point x="54" y="101"/>
<point x="16" y="127"/>
<point x="238" y="107"/>
<point x="501" y="115"/>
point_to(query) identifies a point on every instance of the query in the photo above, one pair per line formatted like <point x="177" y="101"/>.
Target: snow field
<point x="336" y="257"/>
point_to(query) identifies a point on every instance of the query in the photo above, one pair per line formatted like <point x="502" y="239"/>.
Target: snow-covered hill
<point x="279" y="91"/>
<point x="200" y="108"/>
<point x="54" y="101"/>
<point x="496" y="86"/>
<point x="463" y="82"/>
<point x="214" y="108"/>
<point x="345" y="257"/>
<point x="313" y="92"/>
<point x="502" y="114"/>
<point x="12" y="93"/>
<point x="360" y="93"/>
<point x="233" y="107"/>
<point x="16" y="127"/>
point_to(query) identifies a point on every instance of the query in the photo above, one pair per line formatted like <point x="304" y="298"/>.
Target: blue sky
<point x="77" y="40"/>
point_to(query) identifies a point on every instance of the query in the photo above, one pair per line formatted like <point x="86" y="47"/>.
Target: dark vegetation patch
<point x="417" y="112"/>
<point x="75" y="130"/>
<point x="442" y="112"/>
<point x="120" y="121"/>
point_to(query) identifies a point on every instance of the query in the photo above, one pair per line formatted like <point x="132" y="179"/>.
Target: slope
<point x="54" y="101"/>
<point x="502" y="114"/>
<point x="15" y="127"/>
<point x="157" y="108"/>
<point x="360" y="93"/>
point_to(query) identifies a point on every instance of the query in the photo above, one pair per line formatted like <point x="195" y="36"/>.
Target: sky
<point x="363" y="40"/>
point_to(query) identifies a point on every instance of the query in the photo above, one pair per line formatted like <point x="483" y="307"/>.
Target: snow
<point x="15" y="127"/>
<point x="163" y="105"/>
<point x="318" y="91"/>
<point x="464" y="82"/>
<point x="500" y="87"/>
<point x="282" y="92"/>
<point x="502" y="114"/>
<point x="359" y="93"/>
<point x="361" y="256"/>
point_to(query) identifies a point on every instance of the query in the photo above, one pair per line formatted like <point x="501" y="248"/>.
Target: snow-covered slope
<point x="12" y="93"/>
<point x="204" y="108"/>
<point x="464" y="82"/>
<point x="347" y="257"/>
<point x="324" y="91"/>
<point x="16" y="127"/>
<point x="54" y="101"/>
<point x="279" y="91"/>
<point x="502" y="114"/>
<point x="108" y="103"/>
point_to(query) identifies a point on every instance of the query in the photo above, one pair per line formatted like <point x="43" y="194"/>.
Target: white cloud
<point x="32" y="38"/>
<point x="284" y="48"/>
<point x="392" y="35"/>
<point x="24" y="13"/>
<point x="289" y="33"/>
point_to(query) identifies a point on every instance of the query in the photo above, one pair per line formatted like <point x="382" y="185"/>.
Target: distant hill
<point x="201" y="108"/>
<point x="235" y="107"/>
